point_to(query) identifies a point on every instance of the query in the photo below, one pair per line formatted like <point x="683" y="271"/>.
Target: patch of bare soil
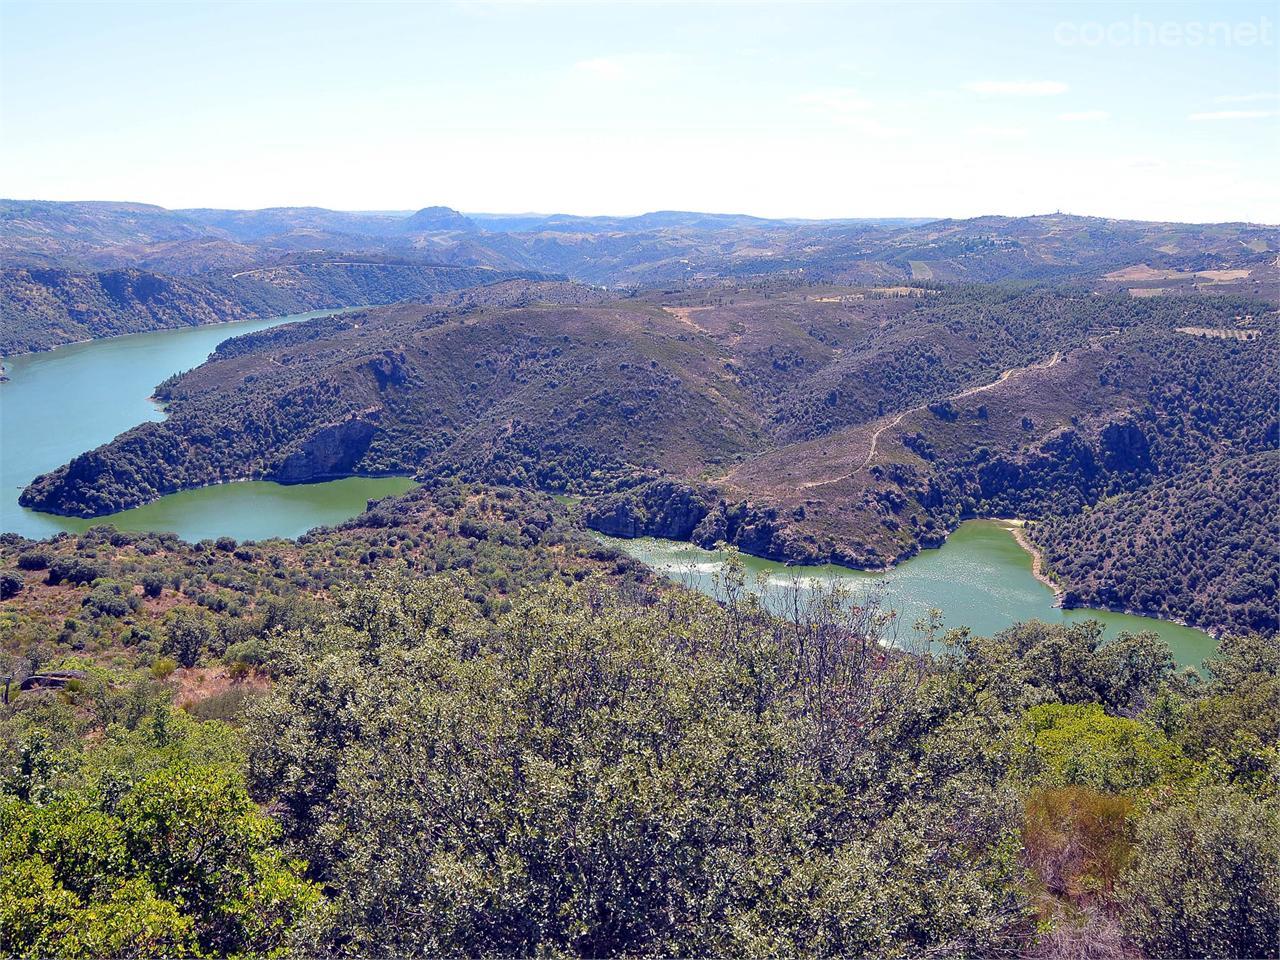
<point x="1223" y="276"/>
<point x="194" y="684"/>
<point x="685" y="315"/>
<point x="1220" y="333"/>
<point x="1140" y="271"/>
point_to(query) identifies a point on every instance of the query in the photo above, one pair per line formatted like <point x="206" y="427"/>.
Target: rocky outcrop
<point x="437" y="219"/>
<point x="330" y="452"/>
<point x="752" y="529"/>
<point x="660" y="508"/>
<point x="1125" y="448"/>
<point x="391" y="369"/>
<point x="698" y="513"/>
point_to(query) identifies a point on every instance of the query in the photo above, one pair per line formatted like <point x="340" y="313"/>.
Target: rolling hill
<point x="802" y="423"/>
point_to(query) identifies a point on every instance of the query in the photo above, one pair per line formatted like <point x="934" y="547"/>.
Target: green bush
<point x="179" y="862"/>
<point x="1081" y="745"/>
<point x="1205" y="878"/>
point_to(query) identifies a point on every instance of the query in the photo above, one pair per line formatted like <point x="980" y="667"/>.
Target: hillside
<point x="548" y="395"/>
<point x="800" y="423"/>
<point x="44" y="308"/>
<point x="1199" y="546"/>
<point x="335" y="740"/>
<point x="662" y="247"/>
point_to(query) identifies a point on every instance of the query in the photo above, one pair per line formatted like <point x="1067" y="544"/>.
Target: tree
<point x="188" y="634"/>
<point x="179" y="862"/>
<point x="1205" y="878"/>
<point x="1130" y="669"/>
<point x="593" y="777"/>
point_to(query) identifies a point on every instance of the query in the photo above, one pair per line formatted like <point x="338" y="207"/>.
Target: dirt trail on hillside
<point x="684" y="315"/>
<point x="1007" y="375"/>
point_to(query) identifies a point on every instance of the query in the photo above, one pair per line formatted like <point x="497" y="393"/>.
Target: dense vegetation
<point x="467" y="731"/>
<point x="804" y="423"/>
<point x="456" y="725"/>
<point x="107" y="594"/>
<point x="1198" y="546"/>
<point x="45" y="308"/>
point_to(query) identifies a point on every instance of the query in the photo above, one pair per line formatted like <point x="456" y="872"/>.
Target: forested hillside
<point x="800" y="423"/>
<point x="47" y="308"/>
<point x="44" y="308"/>
<point x="409" y="581"/>
<point x="452" y="726"/>
<point x="1200" y="546"/>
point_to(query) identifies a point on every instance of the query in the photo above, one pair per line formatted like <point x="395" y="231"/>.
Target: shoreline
<point x="284" y="317"/>
<point x="321" y="479"/>
<point x="1016" y="529"/>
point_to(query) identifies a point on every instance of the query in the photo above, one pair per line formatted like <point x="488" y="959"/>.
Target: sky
<point x="1145" y="111"/>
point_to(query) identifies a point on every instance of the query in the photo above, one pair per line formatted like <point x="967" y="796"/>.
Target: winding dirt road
<point x="1012" y="372"/>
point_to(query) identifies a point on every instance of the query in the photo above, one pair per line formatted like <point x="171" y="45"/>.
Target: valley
<point x="114" y="377"/>
<point x="411" y="551"/>
<point x="834" y="512"/>
<point x="800" y="424"/>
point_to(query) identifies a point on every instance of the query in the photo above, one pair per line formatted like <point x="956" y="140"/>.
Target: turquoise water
<point x="59" y="404"/>
<point x="980" y="578"/>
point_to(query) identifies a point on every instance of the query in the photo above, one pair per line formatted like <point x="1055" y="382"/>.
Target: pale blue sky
<point x="786" y="109"/>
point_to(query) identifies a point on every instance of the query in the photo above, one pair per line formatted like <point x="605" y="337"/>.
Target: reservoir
<point x="980" y="578"/>
<point x="59" y="404"/>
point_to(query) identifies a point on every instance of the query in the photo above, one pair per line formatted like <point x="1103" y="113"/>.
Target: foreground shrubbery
<point x="605" y="770"/>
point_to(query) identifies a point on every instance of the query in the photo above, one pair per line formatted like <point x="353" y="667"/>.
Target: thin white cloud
<point x="834" y="100"/>
<point x="1085" y="116"/>
<point x="846" y="108"/>
<point x="1246" y="97"/>
<point x="1019" y="88"/>
<point x="602" y="68"/>
<point x="1235" y="115"/>
<point x="992" y="132"/>
<point x="624" y="66"/>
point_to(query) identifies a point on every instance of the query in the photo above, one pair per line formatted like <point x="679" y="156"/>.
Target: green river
<point x="59" y="404"/>
<point x="980" y="578"/>
<point x="64" y="402"/>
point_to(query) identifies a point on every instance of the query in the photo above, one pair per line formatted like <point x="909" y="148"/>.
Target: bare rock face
<point x="661" y="508"/>
<point x="682" y="511"/>
<point x="331" y="452"/>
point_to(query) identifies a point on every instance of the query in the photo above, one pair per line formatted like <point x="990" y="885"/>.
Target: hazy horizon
<point x="409" y="211"/>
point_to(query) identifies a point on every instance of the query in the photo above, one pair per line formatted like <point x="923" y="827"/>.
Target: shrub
<point x="1077" y="839"/>
<point x="1081" y="745"/>
<point x="110" y="599"/>
<point x="153" y="584"/>
<point x="73" y="570"/>
<point x="228" y="705"/>
<point x="34" y="560"/>
<point x="188" y="634"/>
<point x="10" y="585"/>
<point x="1204" y="880"/>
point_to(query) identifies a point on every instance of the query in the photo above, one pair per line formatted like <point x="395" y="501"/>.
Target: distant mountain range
<point x="61" y="262"/>
<point x="660" y="247"/>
